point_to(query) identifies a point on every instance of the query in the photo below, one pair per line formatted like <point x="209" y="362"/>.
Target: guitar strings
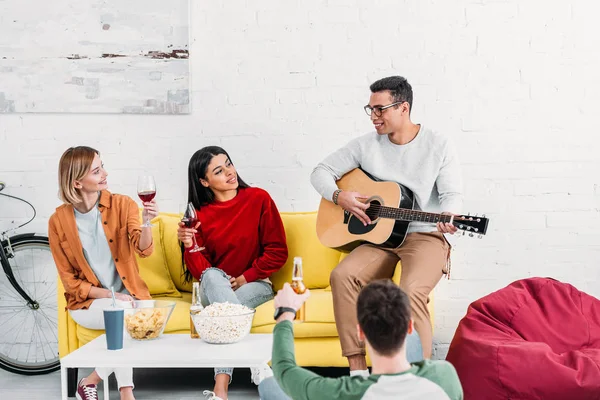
<point x="404" y="213"/>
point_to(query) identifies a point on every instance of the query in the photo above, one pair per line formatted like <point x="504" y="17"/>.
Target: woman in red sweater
<point x="243" y="235"/>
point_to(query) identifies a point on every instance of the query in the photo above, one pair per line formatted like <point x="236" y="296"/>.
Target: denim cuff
<point x="227" y="371"/>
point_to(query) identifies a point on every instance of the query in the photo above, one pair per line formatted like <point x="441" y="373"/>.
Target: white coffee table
<point x="168" y="351"/>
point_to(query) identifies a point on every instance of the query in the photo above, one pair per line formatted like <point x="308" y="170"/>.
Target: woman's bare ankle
<point x="221" y="391"/>
<point x="126" y="393"/>
<point x="91" y="379"/>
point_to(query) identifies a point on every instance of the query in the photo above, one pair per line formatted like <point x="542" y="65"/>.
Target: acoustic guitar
<point x="391" y="211"/>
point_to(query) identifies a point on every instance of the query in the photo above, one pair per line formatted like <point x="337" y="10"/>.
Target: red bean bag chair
<point x="535" y="339"/>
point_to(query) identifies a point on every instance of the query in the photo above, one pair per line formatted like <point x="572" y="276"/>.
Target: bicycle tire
<point x="46" y="313"/>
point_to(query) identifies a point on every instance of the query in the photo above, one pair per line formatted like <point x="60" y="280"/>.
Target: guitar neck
<point x="404" y="214"/>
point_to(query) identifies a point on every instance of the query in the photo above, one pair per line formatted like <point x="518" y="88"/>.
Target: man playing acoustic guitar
<point x="423" y="161"/>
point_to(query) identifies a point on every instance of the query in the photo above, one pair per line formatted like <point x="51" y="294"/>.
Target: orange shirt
<point x="121" y="222"/>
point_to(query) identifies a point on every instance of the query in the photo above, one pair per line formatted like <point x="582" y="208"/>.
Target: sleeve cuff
<point x="84" y="290"/>
<point x="251" y="275"/>
<point x="147" y="252"/>
<point x="283" y="324"/>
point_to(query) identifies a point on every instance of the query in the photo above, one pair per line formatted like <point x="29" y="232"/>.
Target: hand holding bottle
<point x="287" y="297"/>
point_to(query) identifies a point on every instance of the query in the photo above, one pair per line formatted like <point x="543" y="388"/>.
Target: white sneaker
<point x="260" y="373"/>
<point x="211" y="395"/>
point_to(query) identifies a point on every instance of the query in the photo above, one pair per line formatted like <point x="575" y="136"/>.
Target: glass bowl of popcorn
<point x="148" y="318"/>
<point x="223" y="323"/>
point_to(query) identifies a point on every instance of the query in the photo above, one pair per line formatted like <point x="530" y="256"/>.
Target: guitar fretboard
<point x="405" y="214"/>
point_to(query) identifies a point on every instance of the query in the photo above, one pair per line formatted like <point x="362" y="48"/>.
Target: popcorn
<point x="145" y="324"/>
<point x="224" y="322"/>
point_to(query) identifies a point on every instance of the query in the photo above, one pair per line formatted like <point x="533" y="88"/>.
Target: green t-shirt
<point x="424" y="380"/>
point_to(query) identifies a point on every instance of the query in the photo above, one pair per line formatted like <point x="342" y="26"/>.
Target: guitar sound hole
<point x="356" y="227"/>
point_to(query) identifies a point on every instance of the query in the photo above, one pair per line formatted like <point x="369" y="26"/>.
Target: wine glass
<point x="146" y="189"/>
<point x="190" y="220"/>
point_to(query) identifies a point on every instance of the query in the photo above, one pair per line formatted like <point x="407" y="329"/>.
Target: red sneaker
<point x="86" y="392"/>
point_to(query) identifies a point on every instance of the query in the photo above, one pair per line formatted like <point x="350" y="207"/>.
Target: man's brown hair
<point x="384" y="314"/>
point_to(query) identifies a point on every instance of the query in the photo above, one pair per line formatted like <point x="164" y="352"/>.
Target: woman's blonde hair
<point x="73" y="166"/>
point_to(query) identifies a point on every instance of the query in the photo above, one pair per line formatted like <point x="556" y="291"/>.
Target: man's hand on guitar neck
<point x="446" y="227"/>
<point x="349" y="202"/>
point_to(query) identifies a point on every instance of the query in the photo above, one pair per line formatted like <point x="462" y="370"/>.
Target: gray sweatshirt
<point x="428" y="165"/>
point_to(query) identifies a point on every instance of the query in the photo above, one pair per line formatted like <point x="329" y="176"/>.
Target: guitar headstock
<point x="472" y="224"/>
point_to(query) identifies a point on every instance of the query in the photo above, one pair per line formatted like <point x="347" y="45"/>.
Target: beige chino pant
<point x="424" y="259"/>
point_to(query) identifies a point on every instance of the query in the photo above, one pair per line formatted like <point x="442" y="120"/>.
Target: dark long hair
<point x="198" y="194"/>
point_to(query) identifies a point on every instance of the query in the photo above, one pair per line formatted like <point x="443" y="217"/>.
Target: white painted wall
<point x="280" y="84"/>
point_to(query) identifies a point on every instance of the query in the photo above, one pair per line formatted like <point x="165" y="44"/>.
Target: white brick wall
<point x="280" y="84"/>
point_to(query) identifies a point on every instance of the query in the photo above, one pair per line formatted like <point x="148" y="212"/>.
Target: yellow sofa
<point x="317" y="342"/>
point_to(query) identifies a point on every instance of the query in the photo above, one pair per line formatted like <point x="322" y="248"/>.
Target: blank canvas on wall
<point x="99" y="56"/>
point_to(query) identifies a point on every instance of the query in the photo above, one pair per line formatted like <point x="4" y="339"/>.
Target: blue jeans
<point x="269" y="389"/>
<point x="216" y="288"/>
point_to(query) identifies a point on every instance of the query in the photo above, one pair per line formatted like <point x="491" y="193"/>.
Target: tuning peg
<point x="470" y="234"/>
<point x="479" y="236"/>
<point x="463" y="233"/>
<point x="482" y="215"/>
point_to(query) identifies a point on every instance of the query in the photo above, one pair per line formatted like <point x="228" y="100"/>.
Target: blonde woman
<point x="93" y="236"/>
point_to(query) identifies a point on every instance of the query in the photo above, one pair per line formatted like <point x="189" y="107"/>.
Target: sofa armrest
<point x="67" y="329"/>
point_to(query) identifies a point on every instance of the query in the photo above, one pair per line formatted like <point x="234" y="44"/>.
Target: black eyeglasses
<point x="378" y="110"/>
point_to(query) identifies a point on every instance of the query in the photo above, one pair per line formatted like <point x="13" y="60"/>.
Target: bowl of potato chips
<point x="148" y="318"/>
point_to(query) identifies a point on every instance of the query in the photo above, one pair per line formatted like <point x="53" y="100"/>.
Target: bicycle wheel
<point x="29" y="332"/>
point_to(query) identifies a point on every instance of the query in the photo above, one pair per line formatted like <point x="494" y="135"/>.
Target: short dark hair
<point x="383" y="314"/>
<point x="398" y="87"/>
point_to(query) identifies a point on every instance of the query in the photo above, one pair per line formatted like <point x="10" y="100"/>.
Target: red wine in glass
<point x="146" y="189"/>
<point x="147" y="196"/>
<point x="190" y="220"/>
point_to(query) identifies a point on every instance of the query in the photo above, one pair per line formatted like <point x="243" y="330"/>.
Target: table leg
<point x="63" y="383"/>
<point x="106" y="389"/>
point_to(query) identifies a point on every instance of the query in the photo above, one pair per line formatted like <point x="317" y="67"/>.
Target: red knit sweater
<point x="243" y="235"/>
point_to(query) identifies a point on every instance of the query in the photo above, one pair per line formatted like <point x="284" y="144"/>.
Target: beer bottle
<point x="298" y="285"/>
<point x="195" y="308"/>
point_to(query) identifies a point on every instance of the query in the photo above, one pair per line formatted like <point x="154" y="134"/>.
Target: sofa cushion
<point x="153" y="269"/>
<point x="303" y="330"/>
<point x="318" y="321"/>
<point x="317" y="260"/>
<point x="172" y="250"/>
<point x="179" y="321"/>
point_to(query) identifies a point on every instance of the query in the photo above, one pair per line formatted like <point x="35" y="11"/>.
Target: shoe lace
<point x="260" y="373"/>
<point x="212" y="395"/>
<point x="91" y="393"/>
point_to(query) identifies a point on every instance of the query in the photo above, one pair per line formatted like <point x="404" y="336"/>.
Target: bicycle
<point x="28" y="302"/>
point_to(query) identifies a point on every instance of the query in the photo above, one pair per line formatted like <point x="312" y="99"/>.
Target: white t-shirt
<point x="96" y="250"/>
